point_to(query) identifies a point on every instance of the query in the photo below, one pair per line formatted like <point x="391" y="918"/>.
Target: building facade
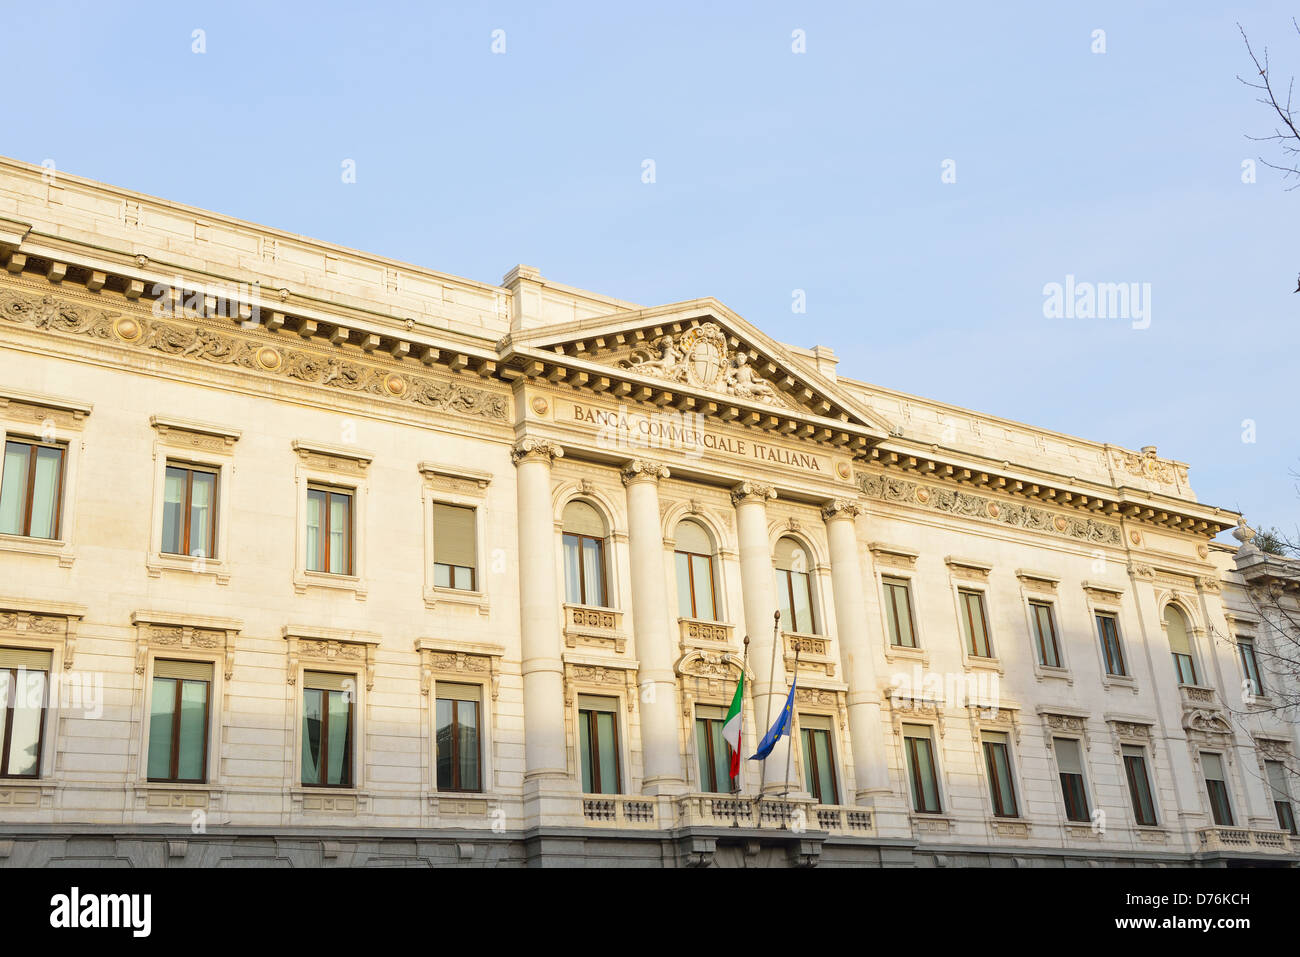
<point x="310" y="557"/>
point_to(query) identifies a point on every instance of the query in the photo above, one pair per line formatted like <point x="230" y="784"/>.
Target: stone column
<point x="654" y="640"/>
<point x="758" y="583"/>
<point x="856" y="651"/>
<point x="539" y="611"/>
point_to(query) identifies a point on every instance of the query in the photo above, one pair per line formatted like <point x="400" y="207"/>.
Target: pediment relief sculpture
<point x="700" y="358"/>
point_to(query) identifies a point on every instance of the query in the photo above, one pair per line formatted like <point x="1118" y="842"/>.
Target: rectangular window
<point x="1112" y="652"/>
<point x="329" y="531"/>
<point x="815" y="733"/>
<point x="178" y="721"/>
<point x="975" y="623"/>
<point x="24" y="696"/>
<point x="695" y="588"/>
<point x="327" y="729"/>
<point x="1139" y="785"/>
<point x="189" y="512"/>
<point x="1279" y="785"/>
<point x="458" y="737"/>
<point x="1216" y="784"/>
<point x="1250" y="665"/>
<point x="1049" y="652"/>
<point x="712" y="750"/>
<point x="455" y="547"/>
<point x="584" y="570"/>
<point x="1069" y="763"/>
<point x="918" y="749"/>
<point x="898" y="612"/>
<point x="598" y="744"/>
<point x="31" y="489"/>
<point x="997" y="760"/>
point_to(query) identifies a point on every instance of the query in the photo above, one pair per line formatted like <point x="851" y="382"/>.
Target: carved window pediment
<point x="456" y="660"/>
<point x="353" y="650"/>
<point x="171" y="632"/>
<point x="46" y="623"/>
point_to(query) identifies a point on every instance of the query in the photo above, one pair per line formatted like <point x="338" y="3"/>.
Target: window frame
<point x="1189" y="630"/>
<point x="1147" y="779"/>
<point x="911" y="768"/>
<point x="7" y="439"/>
<point x="1033" y="604"/>
<point x="9" y="705"/>
<point x="455" y="788"/>
<point x="1098" y="616"/>
<point x="350" y="752"/>
<point x="593" y="749"/>
<point x="176" y="724"/>
<point x="1283" y="807"/>
<point x="1082" y="775"/>
<point x="189" y="468"/>
<point x="1245" y="642"/>
<point x="581" y="537"/>
<point x="323" y="535"/>
<point x="808" y="755"/>
<point x="700" y="759"/>
<point x="968" y="625"/>
<point x="888" y="585"/>
<point x="996" y="798"/>
<point x="1222" y="807"/>
<point x="713" y="580"/>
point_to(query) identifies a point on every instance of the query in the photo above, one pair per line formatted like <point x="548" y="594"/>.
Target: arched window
<point x="1180" y="643"/>
<point x="584" y="556"/>
<point x="794" y="588"/>
<point x="696" y="589"/>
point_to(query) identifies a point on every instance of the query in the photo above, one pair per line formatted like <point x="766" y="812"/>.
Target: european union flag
<point x="782" y="726"/>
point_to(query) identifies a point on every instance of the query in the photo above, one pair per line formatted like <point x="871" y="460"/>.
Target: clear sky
<point x="774" y="171"/>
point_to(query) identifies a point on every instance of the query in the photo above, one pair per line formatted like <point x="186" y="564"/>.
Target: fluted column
<point x="654" y="640"/>
<point x="856" y="644"/>
<point x="758" y="584"/>
<point x="539" y="609"/>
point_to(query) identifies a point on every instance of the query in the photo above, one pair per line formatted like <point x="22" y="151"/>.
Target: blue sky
<point x="774" y="171"/>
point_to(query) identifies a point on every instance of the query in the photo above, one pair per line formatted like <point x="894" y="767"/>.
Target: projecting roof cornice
<point x="1138" y="505"/>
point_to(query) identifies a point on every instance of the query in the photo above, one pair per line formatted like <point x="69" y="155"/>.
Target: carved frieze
<point x="171" y="338"/>
<point x="888" y="488"/>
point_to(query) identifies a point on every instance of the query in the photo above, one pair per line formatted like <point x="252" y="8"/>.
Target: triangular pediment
<point x="700" y="350"/>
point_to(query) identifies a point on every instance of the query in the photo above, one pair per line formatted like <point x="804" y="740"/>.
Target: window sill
<point x="439" y="595"/>
<point x="302" y="580"/>
<point x="1075" y="830"/>
<point x="904" y="653"/>
<point x="936" y="823"/>
<point x="985" y="664"/>
<point x="1120" y="681"/>
<point x="1060" y="674"/>
<point x="49" y="547"/>
<point x="32" y="793"/>
<point x="178" y="796"/>
<point x="329" y="800"/>
<point x="1014" y="827"/>
<point x="159" y="562"/>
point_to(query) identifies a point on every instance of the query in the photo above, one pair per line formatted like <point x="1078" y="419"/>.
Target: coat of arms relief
<point x="700" y="359"/>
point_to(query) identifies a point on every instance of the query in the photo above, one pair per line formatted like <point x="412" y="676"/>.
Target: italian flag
<point x="731" y="728"/>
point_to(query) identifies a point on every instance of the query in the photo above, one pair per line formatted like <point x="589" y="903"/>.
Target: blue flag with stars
<point x="782" y="726"/>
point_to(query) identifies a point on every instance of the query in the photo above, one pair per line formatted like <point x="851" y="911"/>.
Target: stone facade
<point x="135" y="332"/>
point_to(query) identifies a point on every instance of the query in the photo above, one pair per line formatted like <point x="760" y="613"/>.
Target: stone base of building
<point x="88" y="847"/>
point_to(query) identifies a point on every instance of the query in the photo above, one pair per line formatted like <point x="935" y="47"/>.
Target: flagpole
<point x="744" y="668"/>
<point x="789" y="752"/>
<point x="771" y="679"/>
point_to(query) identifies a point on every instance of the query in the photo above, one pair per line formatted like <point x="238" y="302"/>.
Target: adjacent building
<point x="311" y="557"/>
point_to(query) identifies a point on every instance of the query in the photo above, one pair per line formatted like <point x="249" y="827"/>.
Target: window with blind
<point x="922" y="774"/>
<point x="815" y="737"/>
<point x="1139" y="785"/>
<point x="1069" y="765"/>
<point x="455" y="547"/>
<point x="696" y="589"/>
<point x="327" y="717"/>
<point x="1250" y="665"/>
<point x="189" y="511"/>
<point x="711" y="749"/>
<point x="975" y="623"/>
<point x="31" y="489"/>
<point x="329" y="530"/>
<point x="24" y="697"/>
<point x="794" y="587"/>
<point x="178" y="721"/>
<point x="584" y="556"/>
<point x="1049" y="651"/>
<point x="459" y="736"/>
<point x="598" y="744"/>
<point x="898" y="612"/>
<point x="1111" y="650"/>
<point x="1180" y="644"/>
<point x="997" y="761"/>
<point x="1216" y="785"/>
<point x="1280" y="786"/>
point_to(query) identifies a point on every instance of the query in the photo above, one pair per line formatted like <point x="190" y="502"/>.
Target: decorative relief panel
<point x="458" y="661"/>
<point x="48" y="313"/>
<point x="49" y="621"/>
<point x="887" y="488"/>
<point x="42" y="411"/>
<point x="703" y="359"/>
<point x="167" y="631"/>
<point x="325" y="646"/>
<point x="594" y="627"/>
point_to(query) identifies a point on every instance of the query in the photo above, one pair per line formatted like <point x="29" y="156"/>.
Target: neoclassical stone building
<point x="311" y="557"/>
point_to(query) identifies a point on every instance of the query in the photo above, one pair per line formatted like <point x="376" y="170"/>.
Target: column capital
<point x="531" y="448"/>
<point x="840" y="508"/>
<point x="644" y="470"/>
<point x="752" y="491"/>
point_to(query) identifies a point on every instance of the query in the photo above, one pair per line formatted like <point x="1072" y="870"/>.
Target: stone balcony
<point x="1245" y="840"/>
<point x="1196" y="696"/>
<point x="815" y="652"/>
<point x="592" y="627"/>
<point x="619" y="811"/>
<point x="696" y="633"/>
<point x="788" y="814"/>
